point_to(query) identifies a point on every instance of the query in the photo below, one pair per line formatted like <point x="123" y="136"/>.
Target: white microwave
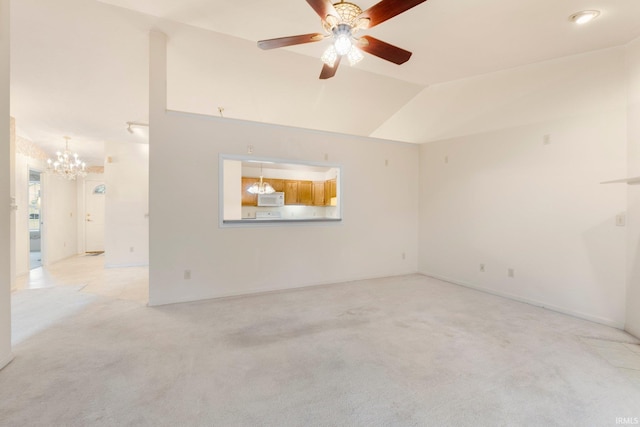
<point x="273" y="199"/>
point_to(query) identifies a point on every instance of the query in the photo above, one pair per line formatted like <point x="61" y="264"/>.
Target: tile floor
<point x="624" y="356"/>
<point x="35" y="259"/>
<point x="88" y="272"/>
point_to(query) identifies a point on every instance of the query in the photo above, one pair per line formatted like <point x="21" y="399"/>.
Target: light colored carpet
<point x="406" y="351"/>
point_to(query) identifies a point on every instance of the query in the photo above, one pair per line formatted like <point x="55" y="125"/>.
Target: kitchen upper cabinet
<point x="277" y="184"/>
<point x="298" y="192"/>
<point x="290" y="192"/>
<point x="248" y="199"/>
<point x="305" y="192"/>
<point x="318" y="193"/>
<point x="308" y="193"/>
<point x="327" y="193"/>
<point x="330" y="191"/>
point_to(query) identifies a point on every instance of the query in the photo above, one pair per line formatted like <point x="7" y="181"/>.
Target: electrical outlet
<point x="446" y="159"/>
<point x="187" y="275"/>
<point x="546" y="140"/>
<point x="621" y="220"/>
<point x="482" y="268"/>
<point x="131" y="249"/>
<point x="386" y="162"/>
<point x="404" y="255"/>
<point x="511" y="272"/>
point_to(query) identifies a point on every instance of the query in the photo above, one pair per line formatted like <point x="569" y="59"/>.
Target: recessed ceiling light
<point x="584" y="16"/>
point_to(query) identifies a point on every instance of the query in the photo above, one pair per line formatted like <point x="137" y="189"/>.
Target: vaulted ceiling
<point x="79" y="67"/>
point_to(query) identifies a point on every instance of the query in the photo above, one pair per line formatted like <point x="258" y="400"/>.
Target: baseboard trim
<point x="632" y="331"/>
<point x="552" y="307"/>
<point x="275" y="290"/>
<point x="4" y="362"/>
<point x="141" y="264"/>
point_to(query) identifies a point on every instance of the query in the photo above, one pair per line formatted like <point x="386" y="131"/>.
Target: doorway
<point x="35" y="219"/>
<point x="94" y="194"/>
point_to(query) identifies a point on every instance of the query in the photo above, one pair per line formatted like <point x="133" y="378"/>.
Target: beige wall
<point x="60" y="213"/>
<point x="127" y="204"/>
<point x="633" y="212"/>
<point x="380" y="207"/>
<point x="21" y="221"/>
<point x="5" y="195"/>
<point x="505" y="199"/>
<point x="13" y="201"/>
<point x="59" y="210"/>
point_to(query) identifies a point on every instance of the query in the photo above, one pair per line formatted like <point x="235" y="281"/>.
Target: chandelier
<point x="260" y="187"/>
<point x="67" y="164"/>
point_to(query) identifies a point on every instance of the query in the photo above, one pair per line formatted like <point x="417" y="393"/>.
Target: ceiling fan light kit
<point x="354" y="56"/>
<point x="341" y="21"/>
<point x="342" y="39"/>
<point x="330" y="56"/>
<point x="348" y="15"/>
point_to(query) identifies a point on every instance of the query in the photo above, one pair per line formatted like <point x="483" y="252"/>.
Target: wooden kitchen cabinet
<point x="330" y="191"/>
<point x="305" y="193"/>
<point x="333" y="192"/>
<point x="248" y="199"/>
<point x="318" y="193"/>
<point x="327" y="193"/>
<point x="290" y="192"/>
<point x="277" y="184"/>
<point x="298" y="192"/>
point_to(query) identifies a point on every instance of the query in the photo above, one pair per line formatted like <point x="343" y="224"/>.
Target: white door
<point x="94" y="193"/>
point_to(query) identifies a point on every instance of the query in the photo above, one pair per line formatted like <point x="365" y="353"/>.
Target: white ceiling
<point x="79" y="67"/>
<point x="450" y="39"/>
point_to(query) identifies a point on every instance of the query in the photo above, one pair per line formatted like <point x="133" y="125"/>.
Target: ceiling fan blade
<point x="387" y="9"/>
<point x="384" y="50"/>
<point x="328" y="72"/>
<point x="290" y="41"/>
<point x="323" y="8"/>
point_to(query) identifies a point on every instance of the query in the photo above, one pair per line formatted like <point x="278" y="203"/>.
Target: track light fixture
<point x="130" y="124"/>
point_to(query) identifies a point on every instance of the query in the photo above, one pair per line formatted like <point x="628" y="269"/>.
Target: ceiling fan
<point x="341" y="21"/>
